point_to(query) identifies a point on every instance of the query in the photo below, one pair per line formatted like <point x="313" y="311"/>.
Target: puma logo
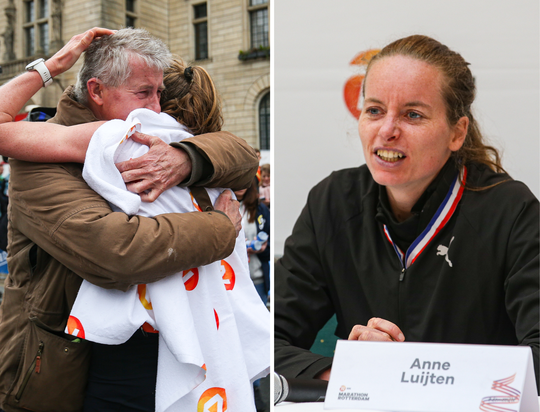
<point x="443" y="251"/>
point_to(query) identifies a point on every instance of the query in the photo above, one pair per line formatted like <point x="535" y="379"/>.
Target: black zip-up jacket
<point x="338" y="260"/>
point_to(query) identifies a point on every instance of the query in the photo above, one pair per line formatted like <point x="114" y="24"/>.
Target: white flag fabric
<point x="214" y="330"/>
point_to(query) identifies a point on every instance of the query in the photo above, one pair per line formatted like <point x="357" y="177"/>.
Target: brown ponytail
<point x="191" y="98"/>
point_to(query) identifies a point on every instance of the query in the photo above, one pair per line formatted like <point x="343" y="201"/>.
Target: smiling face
<point x="265" y="179"/>
<point x="141" y="90"/>
<point x="403" y="126"/>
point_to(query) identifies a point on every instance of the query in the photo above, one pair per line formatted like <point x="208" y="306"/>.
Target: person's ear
<point x="95" y="89"/>
<point x="460" y="133"/>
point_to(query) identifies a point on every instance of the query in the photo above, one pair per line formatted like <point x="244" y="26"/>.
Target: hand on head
<point x="66" y="57"/>
<point x="377" y="329"/>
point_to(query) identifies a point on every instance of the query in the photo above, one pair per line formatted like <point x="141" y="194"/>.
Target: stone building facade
<point x="229" y="38"/>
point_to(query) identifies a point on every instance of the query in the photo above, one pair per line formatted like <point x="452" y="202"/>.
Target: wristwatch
<point x="39" y="66"/>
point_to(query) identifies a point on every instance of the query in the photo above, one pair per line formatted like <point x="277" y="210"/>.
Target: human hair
<point x="108" y="58"/>
<point x="251" y="200"/>
<point x="190" y="96"/>
<point x="458" y="92"/>
<point x="265" y="168"/>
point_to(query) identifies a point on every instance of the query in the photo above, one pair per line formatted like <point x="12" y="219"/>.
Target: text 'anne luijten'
<point x="427" y="375"/>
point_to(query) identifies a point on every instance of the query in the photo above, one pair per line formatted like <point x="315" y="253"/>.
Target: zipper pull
<point x="38" y="357"/>
<point x="402" y="275"/>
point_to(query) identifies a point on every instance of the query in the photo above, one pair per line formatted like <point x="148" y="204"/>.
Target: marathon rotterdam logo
<point x="191" y="278"/>
<point x="228" y="276"/>
<point x="141" y="290"/>
<point x="217" y="319"/>
<point x="74" y="327"/>
<point x="353" y="86"/>
<point x="213" y="400"/>
<point x="346" y="394"/>
<point x="489" y="403"/>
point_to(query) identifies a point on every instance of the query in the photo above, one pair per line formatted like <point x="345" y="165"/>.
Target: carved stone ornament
<point x="56" y="16"/>
<point x="9" y="33"/>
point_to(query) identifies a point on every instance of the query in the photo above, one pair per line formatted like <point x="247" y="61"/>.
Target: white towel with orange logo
<point x="214" y="331"/>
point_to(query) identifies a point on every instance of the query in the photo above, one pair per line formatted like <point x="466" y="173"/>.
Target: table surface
<point x="315" y="406"/>
<point x="306" y="407"/>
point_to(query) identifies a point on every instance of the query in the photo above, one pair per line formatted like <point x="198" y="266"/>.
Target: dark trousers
<point x="123" y="377"/>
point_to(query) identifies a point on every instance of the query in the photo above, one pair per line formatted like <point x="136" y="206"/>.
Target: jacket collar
<point x="70" y="112"/>
<point x="404" y="233"/>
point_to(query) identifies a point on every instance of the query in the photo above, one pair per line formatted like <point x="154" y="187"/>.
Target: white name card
<point x="432" y="377"/>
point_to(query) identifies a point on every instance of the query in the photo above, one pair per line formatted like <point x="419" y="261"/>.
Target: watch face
<point x="34" y="64"/>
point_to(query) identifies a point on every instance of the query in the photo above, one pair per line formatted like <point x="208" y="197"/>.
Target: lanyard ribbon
<point x="438" y="221"/>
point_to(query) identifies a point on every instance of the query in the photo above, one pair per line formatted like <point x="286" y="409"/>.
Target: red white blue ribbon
<point x="438" y="221"/>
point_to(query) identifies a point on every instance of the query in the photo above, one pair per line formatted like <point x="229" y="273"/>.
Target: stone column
<point x="56" y="17"/>
<point x="9" y="33"/>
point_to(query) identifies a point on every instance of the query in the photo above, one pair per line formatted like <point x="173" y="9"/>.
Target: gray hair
<point x="107" y="58"/>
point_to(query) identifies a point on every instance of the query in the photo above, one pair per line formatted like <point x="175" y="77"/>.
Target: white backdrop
<point x="314" y="41"/>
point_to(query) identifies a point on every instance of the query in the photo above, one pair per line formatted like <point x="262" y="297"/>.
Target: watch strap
<point x="41" y="68"/>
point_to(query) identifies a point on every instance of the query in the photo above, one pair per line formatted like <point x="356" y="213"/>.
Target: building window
<point x="258" y="17"/>
<point x="200" y="26"/>
<point x="44" y="8"/>
<point x="30" y="44"/>
<point x="131" y="13"/>
<point x="36" y="27"/>
<point x="30" y="17"/>
<point x="44" y="37"/>
<point x="264" y="122"/>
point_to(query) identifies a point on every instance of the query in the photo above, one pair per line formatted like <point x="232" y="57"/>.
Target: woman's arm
<point x="46" y="142"/>
<point x="43" y="142"/>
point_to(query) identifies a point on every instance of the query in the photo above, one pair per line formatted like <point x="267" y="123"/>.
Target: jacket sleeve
<point x="53" y="207"/>
<point x="302" y="304"/>
<point x="522" y="297"/>
<point x="227" y="160"/>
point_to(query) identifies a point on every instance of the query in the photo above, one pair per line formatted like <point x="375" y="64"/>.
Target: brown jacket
<point x="61" y="231"/>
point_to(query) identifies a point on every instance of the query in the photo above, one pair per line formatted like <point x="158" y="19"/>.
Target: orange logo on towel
<point x="353" y="86"/>
<point x="142" y="297"/>
<point x="191" y="278"/>
<point x="213" y="400"/>
<point x="130" y="132"/>
<point x="194" y="202"/>
<point x="217" y="319"/>
<point x="74" y="327"/>
<point x="228" y="277"/>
